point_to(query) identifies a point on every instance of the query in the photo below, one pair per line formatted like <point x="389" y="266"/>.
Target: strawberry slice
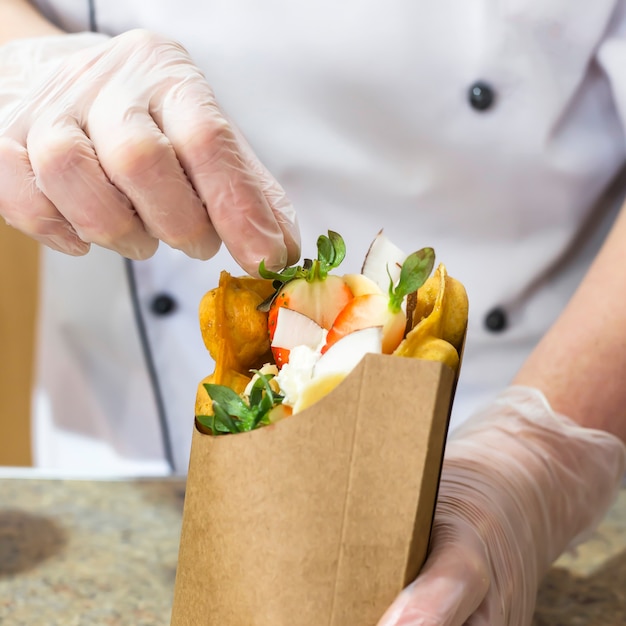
<point x="379" y="309"/>
<point x="281" y="356"/>
<point x="319" y="299"/>
<point x="309" y="289"/>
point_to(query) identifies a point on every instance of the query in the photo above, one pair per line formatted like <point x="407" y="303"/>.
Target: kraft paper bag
<point x="323" y="518"/>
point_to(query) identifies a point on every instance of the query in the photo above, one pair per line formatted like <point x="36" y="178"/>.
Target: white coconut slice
<point x="344" y="355"/>
<point x="383" y="255"/>
<point x="296" y="329"/>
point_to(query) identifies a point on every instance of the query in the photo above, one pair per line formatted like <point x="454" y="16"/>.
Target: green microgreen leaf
<point x="222" y="416"/>
<point x="285" y="275"/>
<point x="280" y="279"/>
<point x="227" y="399"/>
<point x="268" y="400"/>
<point x="232" y="414"/>
<point x="212" y="423"/>
<point x="331" y="251"/>
<point x="261" y="392"/>
<point x="415" y="270"/>
<point x="256" y="393"/>
<point x="339" y="247"/>
<point x="325" y="251"/>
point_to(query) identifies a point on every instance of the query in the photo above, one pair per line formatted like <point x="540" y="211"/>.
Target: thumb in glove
<point x="519" y="484"/>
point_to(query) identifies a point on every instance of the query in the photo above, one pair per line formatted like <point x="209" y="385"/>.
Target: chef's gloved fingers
<point x="524" y="483"/>
<point x="218" y="165"/>
<point x="126" y="142"/>
<point x="67" y="176"/>
<point x="482" y="569"/>
<point x="277" y="199"/>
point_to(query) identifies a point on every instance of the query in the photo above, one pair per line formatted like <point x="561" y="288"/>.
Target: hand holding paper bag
<point x="519" y="484"/>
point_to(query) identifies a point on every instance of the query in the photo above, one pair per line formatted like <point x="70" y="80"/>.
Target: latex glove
<point x="120" y="142"/>
<point x="519" y="485"/>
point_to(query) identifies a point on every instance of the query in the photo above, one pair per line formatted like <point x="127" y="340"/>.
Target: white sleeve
<point x="611" y="59"/>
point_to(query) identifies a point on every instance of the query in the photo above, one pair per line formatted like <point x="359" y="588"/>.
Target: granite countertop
<point x="103" y="553"/>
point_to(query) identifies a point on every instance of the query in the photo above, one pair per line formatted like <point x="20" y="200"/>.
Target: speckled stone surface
<point x="93" y="553"/>
<point x="589" y="588"/>
<point x="88" y="553"/>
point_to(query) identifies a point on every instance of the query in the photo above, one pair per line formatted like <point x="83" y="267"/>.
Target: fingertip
<point x="292" y="245"/>
<point x="138" y="251"/>
<point x="293" y="256"/>
<point x="273" y="262"/>
<point x="287" y="221"/>
<point x="204" y="249"/>
<point x="73" y="246"/>
<point x="79" y="250"/>
<point x="278" y="261"/>
<point x="395" y="611"/>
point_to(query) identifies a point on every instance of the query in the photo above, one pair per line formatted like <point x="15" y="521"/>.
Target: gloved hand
<point x="120" y="142"/>
<point x="519" y="485"/>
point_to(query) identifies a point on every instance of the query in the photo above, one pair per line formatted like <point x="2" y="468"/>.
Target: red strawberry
<point x="310" y="289"/>
<point x="319" y="299"/>
<point x="378" y="309"/>
<point x="281" y="356"/>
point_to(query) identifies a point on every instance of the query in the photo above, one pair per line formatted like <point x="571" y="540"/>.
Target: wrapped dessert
<point x="318" y="444"/>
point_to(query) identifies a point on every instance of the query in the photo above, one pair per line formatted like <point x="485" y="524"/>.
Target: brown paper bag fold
<point x="320" y="519"/>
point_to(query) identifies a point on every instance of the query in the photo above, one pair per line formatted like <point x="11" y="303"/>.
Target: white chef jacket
<point x="362" y="111"/>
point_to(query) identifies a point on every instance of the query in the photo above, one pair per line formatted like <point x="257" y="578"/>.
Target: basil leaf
<point x="225" y="420"/>
<point x="415" y="270"/>
<point x="213" y="424"/>
<point x="228" y="399"/>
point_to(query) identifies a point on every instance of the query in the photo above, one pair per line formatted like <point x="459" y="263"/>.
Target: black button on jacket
<point x="163" y="304"/>
<point x="481" y="96"/>
<point x="496" y="320"/>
